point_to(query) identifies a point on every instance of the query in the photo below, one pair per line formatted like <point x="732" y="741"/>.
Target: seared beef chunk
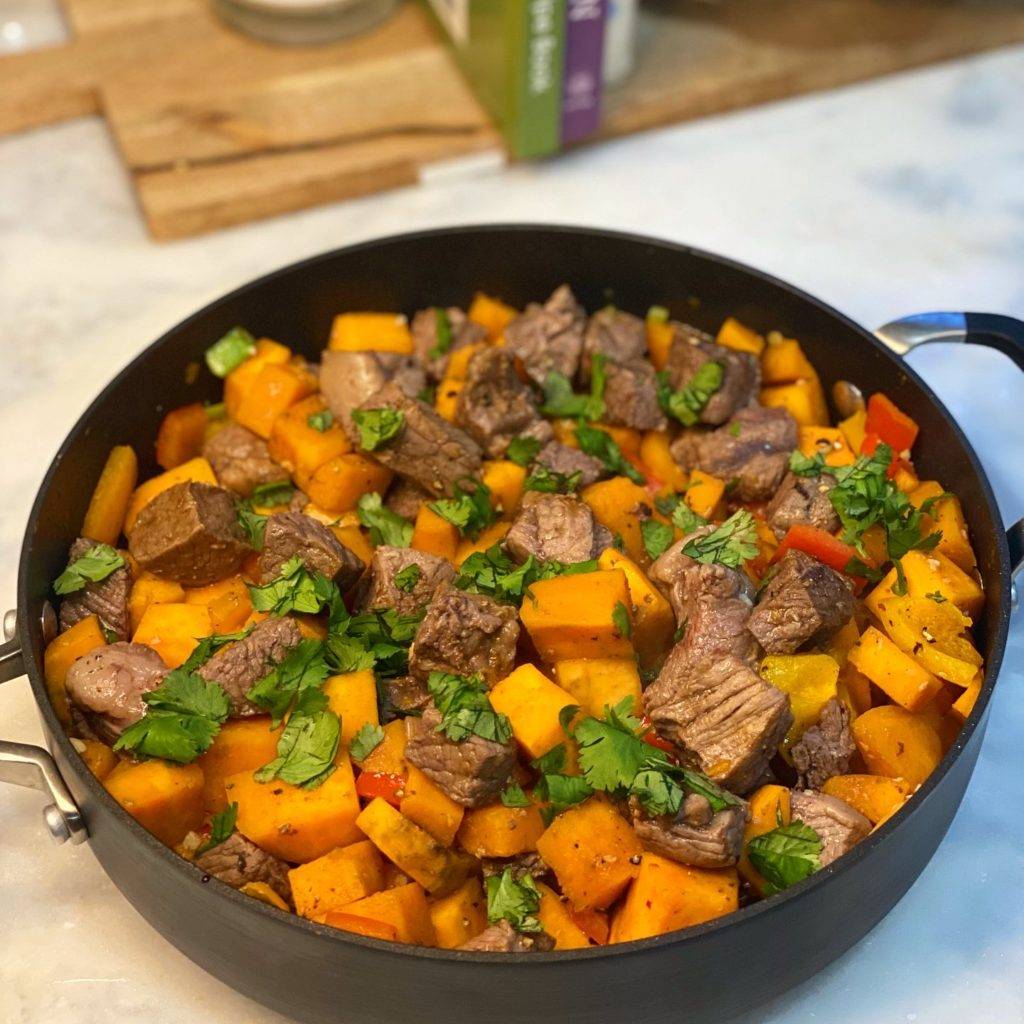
<point x="107" y="685"/>
<point x="347" y="379"/>
<point x="107" y="599"/>
<point x="826" y="748"/>
<point x="741" y="377"/>
<point x="495" y="406"/>
<point x="631" y="396"/>
<point x="388" y="562"/>
<point x="696" y="835"/>
<point x="238" y="667"/>
<point x="804" y="601"/>
<point x="555" y="527"/>
<point x="404" y="696"/>
<point x="471" y="773"/>
<point x="238" y="860"/>
<point x="189" y="533"/>
<point x="724" y="716"/>
<point x="712" y="602"/>
<point x="838" y="825"/>
<point x="803" y="500"/>
<point x="241" y="460"/>
<point x="560" y="458"/>
<point x="753" y="449"/>
<point x="503" y="938"/>
<point x="405" y="371"/>
<point x="428" y="450"/>
<point x="404" y="498"/>
<point x="424" y="337"/>
<point x="620" y="337"/>
<point x="292" y="533"/>
<point x="524" y="864"/>
<point x="549" y="338"/>
<point x="465" y="634"/>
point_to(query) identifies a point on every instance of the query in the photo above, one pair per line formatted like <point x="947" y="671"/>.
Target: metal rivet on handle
<point x="10" y="624"/>
<point x="56" y="825"/>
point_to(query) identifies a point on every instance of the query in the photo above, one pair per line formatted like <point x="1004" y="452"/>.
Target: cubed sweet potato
<point x="804" y="400"/>
<point x="301" y="448"/>
<point x="557" y="920"/>
<point x="946" y="516"/>
<point x="341" y="876"/>
<point x="897" y="674"/>
<point x="575" y="616"/>
<point x="591" y="849"/>
<point x="173" y="630"/>
<point x="243" y="744"/>
<point x="434" y="535"/>
<point x="653" y="621"/>
<point x="98" y="757"/>
<point x="388" y="757"/>
<point x="431" y="808"/>
<point x="446" y="399"/>
<point x="227" y="601"/>
<point x="875" y="796"/>
<point x="659" y="340"/>
<point x="810" y="680"/>
<point x="783" y="361"/>
<point x="490" y="313"/>
<point x="964" y="704"/>
<point x="108" y="506"/>
<point x="599" y="683"/>
<point x="166" y="799"/>
<point x="898" y="744"/>
<point x="352" y="696"/>
<point x="705" y="494"/>
<point x="459" y="916"/>
<point x="339" y="483"/>
<point x="666" y="896"/>
<point x="293" y="823"/>
<point x="532" y="703"/>
<point x="274" y="390"/>
<point x="499" y="831"/>
<point x="240" y="380"/>
<point x="198" y="470"/>
<point x="459" y="360"/>
<point x="621" y="505"/>
<point x="181" y="435"/>
<point x="732" y="334"/>
<point x="371" y="332"/>
<point x="62" y="652"/>
<point x="656" y="457"/>
<point x="505" y="480"/>
<point x="829" y="442"/>
<point x="930" y="572"/>
<point x="147" y="590"/>
<point x="404" y="908"/>
<point x="853" y="429"/>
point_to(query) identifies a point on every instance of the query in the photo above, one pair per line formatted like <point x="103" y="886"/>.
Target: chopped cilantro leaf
<point x="407" y="578"/>
<point x="308" y="744"/>
<point x="273" y="495"/>
<point x="731" y="544"/>
<point x="99" y="562"/>
<point x="442" y="334"/>
<point x="560" y="399"/>
<point x="366" y="740"/>
<point x="322" y="420"/>
<point x="470" y="511"/>
<point x="937" y="596"/>
<point x="688" y="403"/>
<point x="208" y="646"/>
<point x="786" y="855"/>
<point x="377" y="426"/>
<point x="804" y="465"/>
<point x="550" y="481"/>
<point x="513" y="795"/>
<point x="492" y="572"/>
<point x="222" y="826"/>
<point x="523" y="450"/>
<point x="385" y="526"/>
<point x="514" y="901"/>
<point x="657" y="537"/>
<point x="466" y="709"/>
<point x="601" y="445"/>
<point x="295" y="590"/>
<point x="303" y="667"/>
<point x="622" y="620"/>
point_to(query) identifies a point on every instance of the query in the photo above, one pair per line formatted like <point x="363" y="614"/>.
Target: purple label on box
<point x="581" y="85"/>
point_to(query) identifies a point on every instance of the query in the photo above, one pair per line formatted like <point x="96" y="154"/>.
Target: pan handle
<point x="1003" y="333"/>
<point x="22" y="764"/>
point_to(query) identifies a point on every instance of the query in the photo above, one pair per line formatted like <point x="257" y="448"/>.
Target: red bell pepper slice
<point x="818" y="544"/>
<point x="650" y="737"/>
<point x="890" y="423"/>
<point x="870" y="445"/>
<point x="386" y="785"/>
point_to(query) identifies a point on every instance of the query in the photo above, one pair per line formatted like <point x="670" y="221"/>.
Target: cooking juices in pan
<point x="517" y="630"/>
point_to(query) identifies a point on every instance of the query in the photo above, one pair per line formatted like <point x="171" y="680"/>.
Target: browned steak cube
<point x="241" y="460"/>
<point x="753" y="449"/>
<point x="106" y="599"/>
<point x="826" y="748"/>
<point x="503" y="938"/>
<point x="620" y="337"/>
<point x="383" y="592"/>
<point x="428" y="450"/>
<point x="347" y="379"/>
<point x="189" y="533"/>
<point x="722" y="714"/>
<point x="238" y="861"/>
<point x="549" y="338"/>
<point x="555" y="528"/>
<point x="405" y="695"/>
<point x="471" y="773"/>
<point x="240" y="666"/>
<point x="840" y="828"/>
<point x="631" y="396"/>
<point x="804" y="501"/>
<point x="465" y="634"/>
<point x="463" y="332"/>
<point x="107" y="685"/>
<point x="494" y="405"/>
<point x="288" y="534"/>
<point x="696" y="835"/>
<point x="804" y="601"/>
<point x="741" y="378"/>
<point x="404" y="498"/>
<point x="561" y="458"/>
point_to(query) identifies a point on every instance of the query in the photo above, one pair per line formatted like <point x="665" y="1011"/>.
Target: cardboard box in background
<point x="535" y="64"/>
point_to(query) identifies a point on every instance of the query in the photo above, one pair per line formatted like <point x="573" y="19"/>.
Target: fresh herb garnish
<point x="308" y="744"/>
<point x="937" y="596"/>
<point x="377" y="426"/>
<point x="230" y="352"/>
<point x="621" y="620"/>
<point x="470" y="511"/>
<point x="686" y="519"/>
<point x="273" y="495"/>
<point x="657" y="537"/>
<point x="442" y="334"/>
<point x="807" y="465"/>
<point x="208" y="646"/>
<point x="366" y="740"/>
<point x="184" y="714"/>
<point x="96" y="564"/>
<point x="385" y="526"/>
<point x="786" y="855"/>
<point x="492" y="572"/>
<point x="378" y="639"/>
<point x="466" y="709"/>
<point x="731" y="544"/>
<point x="407" y="578"/>
<point x="513" y="795"/>
<point x="550" y="481"/>
<point x="304" y="667"/>
<point x="611" y="751"/>
<point x="735" y="428"/>
<point x="514" y="901"/>
<point x="554" y="787"/>
<point x="688" y="403"/>
<point x="322" y="420"/>
<point x="560" y="399"/>
<point x="253" y="524"/>
<point x="523" y="450"/>
<point x="222" y="826"/>
<point x="602" y="446"/>
<point x="294" y="590"/>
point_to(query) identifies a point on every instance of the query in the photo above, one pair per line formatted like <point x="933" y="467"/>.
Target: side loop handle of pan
<point x="22" y="764"/>
<point x="1003" y="333"/>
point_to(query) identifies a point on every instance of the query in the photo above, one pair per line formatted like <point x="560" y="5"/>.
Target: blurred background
<point x="157" y="153"/>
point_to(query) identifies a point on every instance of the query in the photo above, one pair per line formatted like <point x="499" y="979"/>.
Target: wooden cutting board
<point x="218" y="129"/>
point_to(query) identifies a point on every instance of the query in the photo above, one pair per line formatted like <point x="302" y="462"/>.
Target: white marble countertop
<point x="898" y="196"/>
